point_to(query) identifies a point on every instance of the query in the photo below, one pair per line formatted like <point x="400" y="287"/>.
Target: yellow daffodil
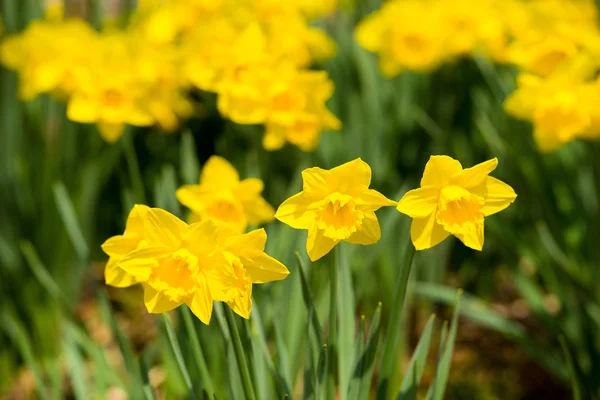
<point x="335" y="205"/>
<point x="198" y="264"/>
<point x="119" y="246"/>
<point x="405" y="35"/>
<point x="290" y="102"/>
<point x="222" y="196"/>
<point x="561" y="107"/>
<point x="454" y="201"/>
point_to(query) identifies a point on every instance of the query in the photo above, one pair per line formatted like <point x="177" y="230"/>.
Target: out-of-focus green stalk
<point x="197" y="350"/>
<point x="395" y="317"/>
<point x="332" y="345"/>
<point x="96" y="12"/>
<point x="134" y="167"/>
<point x="178" y="354"/>
<point x="240" y="355"/>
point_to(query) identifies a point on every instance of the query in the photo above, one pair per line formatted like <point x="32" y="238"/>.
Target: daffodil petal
<point x="219" y="172"/>
<point x="426" y="232"/>
<point x="139" y="263"/>
<point x="476" y="175"/>
<point x="135" y="219"/>
<point x="189" y="196"/>
<point x="163" y="228"/>
<point x="439" y="170"/>
<point x="242" y="305"/>
<point x="121" y="245"/>
<point x="116" y="276"/>
<point x="82" y="109"/>
<point x="419" y="203"/>
<point x="202" y="237"/>
<point x="315" y="183"/>
<point x="297" y="212"/>
<point x="497" y="194"/>
<point x="352" y="177"/>
<point x="201" y="303"/>
<point x="369" y="232"/>
<point x="264" y="268"/>
<point x="318" y="245"/>
<point x="371" y="200"/>
<point x="255" y="240"/>
<point x="473" y="237"/>
<point x="156" y="302"/>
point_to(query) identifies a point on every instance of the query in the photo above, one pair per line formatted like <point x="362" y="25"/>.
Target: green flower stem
<point x="178" y="354"/>
<point x="197" y="350"/>
<point x="240" y="356"/>
<point x="393" y="333"/>
<point x="332" y="342"/>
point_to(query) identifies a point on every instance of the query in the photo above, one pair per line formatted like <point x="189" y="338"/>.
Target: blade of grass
<point x="178" y="355"/>
<point x="189" y="164"/>
<point x="345" y="309"/>
<point x="76" y="366"/>
<point x="443" y="367"/>
<point x="17" y="334"/>
<point x="41" y="273"/>
<point x="354" y="387"/>
<point x="308" y="299"/>
<point x="413" y="374"/>
<point x="367" y="360"/>
<point x="332" y="340"/>
<point x="393" y="333"/>
<point x="240" y="355"/>
<point x="321" y="372"/>
<point x="70" y="221"/>
<point x="197" y="351"/>
<point x="256" y="320"/>
<point x="134" y="167"/>
<point x="575" y="382"/>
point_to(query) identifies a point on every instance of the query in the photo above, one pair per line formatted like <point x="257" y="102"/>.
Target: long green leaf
<point x="438" y="387"/>
<point x="70" y="221"/>
<point x="412" y="377"/>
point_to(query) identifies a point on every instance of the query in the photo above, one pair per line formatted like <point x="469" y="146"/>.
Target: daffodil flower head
<point x="197" y="264"/>
<point x="179" y="263"/>
<point x="222" y="196"/>
<point x="454" y="201"/>
<point x="335" y="205"/>
<point x="117" y="247"/>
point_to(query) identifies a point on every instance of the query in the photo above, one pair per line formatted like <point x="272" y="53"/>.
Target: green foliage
<point x="65" y="191"/>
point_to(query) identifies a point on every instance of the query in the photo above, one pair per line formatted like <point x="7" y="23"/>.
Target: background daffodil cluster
<point x="143" y="74"/>
<point x="555" y="45"/>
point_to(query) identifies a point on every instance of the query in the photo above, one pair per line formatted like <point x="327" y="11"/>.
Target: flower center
<point x="224" y="210"/>
<point x="338" y="218"/>
<point x="459" y="210"/>
<point x="176" y="275"/>
<point x="113" y="98"/>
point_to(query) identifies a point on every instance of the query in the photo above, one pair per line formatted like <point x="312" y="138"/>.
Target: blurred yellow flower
<point x="198" y="264"/>
<point x="561" y="106"/>
<point x="222" y="196"/>
<point x="290" y="102"/>
<point x="420" y="35"/>
<point x="335" y="205"/>
<point x="49" y="56"/>
<point x="405" y="35"/>
<point x="454" y="201"/>
<point x="119" y="246"/>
